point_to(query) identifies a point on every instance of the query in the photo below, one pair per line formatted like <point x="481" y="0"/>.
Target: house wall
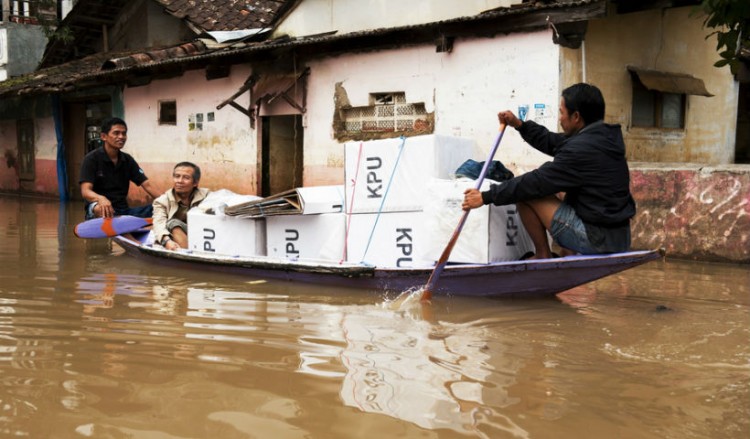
<point x="21" y="48"/>
<point x="317" y="16"/>
<point x="45" y="151"/>
<point x="224" y="148"/>
<point x="9" y="161"/>
<point x="3" y="53"/>
<point x="693" y="211"/>
<point x="464" y="89"/>
<point x="45" y="146"/>
<point x="144" y="24"/>
<point x="673" y="41"/>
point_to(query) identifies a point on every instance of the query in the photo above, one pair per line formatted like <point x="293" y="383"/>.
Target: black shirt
<point x="109" y="180"/>
<point x="589" y="166"/>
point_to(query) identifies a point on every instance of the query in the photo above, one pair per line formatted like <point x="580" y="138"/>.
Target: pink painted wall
<point x="693" y="212"/>
<point x="45" y="180"/>
<point x="224" y="146"/>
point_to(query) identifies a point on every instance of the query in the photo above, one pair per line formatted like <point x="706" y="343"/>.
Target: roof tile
<point x="225" y="15"/>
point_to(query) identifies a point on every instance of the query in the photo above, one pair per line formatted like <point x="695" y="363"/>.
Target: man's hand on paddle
<point x="508" y="118"/>
<point x="472" y="199"/>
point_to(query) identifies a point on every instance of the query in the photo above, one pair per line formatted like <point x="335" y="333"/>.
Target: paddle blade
<point x="109" y="227"/>
<point x="426" y="295"/>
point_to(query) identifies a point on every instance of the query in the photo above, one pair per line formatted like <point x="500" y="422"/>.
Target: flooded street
<point x="95" y="343"/>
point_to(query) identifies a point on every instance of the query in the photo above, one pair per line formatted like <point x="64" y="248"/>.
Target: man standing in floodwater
<point x="588" y="166"/>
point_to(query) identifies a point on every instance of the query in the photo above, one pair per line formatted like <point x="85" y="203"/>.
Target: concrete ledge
<point x="694" y="212"/>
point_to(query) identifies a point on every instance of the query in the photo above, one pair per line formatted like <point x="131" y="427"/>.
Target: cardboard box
<point x="306" y="236"/>
<point x="393" y="239"/>
<point x="226" y="235"/>
<point x="370" y="165"/>
<point x="490" y="234"/>
<point x="300" y="201"/>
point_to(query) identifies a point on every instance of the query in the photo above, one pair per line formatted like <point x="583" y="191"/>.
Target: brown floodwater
<point x="97" y="344"/>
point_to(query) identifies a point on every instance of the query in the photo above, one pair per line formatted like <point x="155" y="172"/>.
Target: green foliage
<point x="45" y="13"/>
<point x="730" y="20"/>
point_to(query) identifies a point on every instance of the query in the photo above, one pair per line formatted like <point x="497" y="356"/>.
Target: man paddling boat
<point x="588" y="165"/>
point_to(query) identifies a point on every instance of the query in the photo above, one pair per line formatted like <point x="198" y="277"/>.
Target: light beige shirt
<point x="166" y="206"/>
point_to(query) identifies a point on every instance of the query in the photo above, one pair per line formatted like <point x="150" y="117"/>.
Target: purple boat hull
<point x="530" y="278"/>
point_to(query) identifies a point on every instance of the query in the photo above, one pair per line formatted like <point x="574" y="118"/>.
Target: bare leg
<point x="179" y="236"/>
<point x="536" y="216"/>
<point x="97" y="211"/>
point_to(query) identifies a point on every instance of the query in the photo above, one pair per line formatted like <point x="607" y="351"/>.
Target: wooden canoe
<point x="529" y="278"/>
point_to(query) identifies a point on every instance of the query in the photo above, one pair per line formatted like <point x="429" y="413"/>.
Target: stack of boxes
<point x="312" y="227"/>
<point x="490" y="234"/>
<point x="317" y="232"/>
<point x="397" y="208"/>
<point x="386" y="192"/>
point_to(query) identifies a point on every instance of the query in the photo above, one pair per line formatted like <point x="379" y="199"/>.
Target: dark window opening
<point x="655" y="109"/>
<point x="167" y="112"/>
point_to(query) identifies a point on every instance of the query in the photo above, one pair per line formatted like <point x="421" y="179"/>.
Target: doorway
<point x="26" y="154"/>
<point x="280" y="160"/>
<point x="82" y="123"/>
<point x="742" y="142"/>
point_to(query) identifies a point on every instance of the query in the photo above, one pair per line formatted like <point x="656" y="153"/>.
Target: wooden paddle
<point x="430" y="286"/>
<point x="110" y="227"/>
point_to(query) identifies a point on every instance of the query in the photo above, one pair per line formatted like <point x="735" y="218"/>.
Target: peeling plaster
<point x="425" y="125"/>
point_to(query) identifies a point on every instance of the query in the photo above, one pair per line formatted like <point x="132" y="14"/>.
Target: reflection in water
<point x="95" y="343"/>
<point x="429" y="375"/>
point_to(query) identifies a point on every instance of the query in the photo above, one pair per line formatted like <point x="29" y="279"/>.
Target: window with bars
<point x="33" y="11"/>
<point x="23" y="11"/>
<point x="387" y="113"/>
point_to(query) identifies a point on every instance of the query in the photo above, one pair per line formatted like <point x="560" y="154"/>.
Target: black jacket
<point x="589" y="166"/>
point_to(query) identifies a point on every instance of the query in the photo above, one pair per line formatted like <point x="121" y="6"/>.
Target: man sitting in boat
<point x="106" y="173"/>
<point x="588" y="165"/>
<point x="171" y="208"/>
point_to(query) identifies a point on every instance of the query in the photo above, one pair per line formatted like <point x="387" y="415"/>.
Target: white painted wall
<point x="66" y="6"/>
<point x="344" y="16"/>
<point x="3" y="54"/>
<point x="465" y="88"/>
<point x="227" y="139"/>
<point x="45" y="141"/>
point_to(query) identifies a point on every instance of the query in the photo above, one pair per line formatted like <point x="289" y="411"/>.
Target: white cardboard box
<point x="321" y="199"/>
<point x="226" y="235"/>
<point x="306" y="236"/>
<point x="394" y="239"/>
<point x="490" y="234"/>
<point x="370" y="165"/>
